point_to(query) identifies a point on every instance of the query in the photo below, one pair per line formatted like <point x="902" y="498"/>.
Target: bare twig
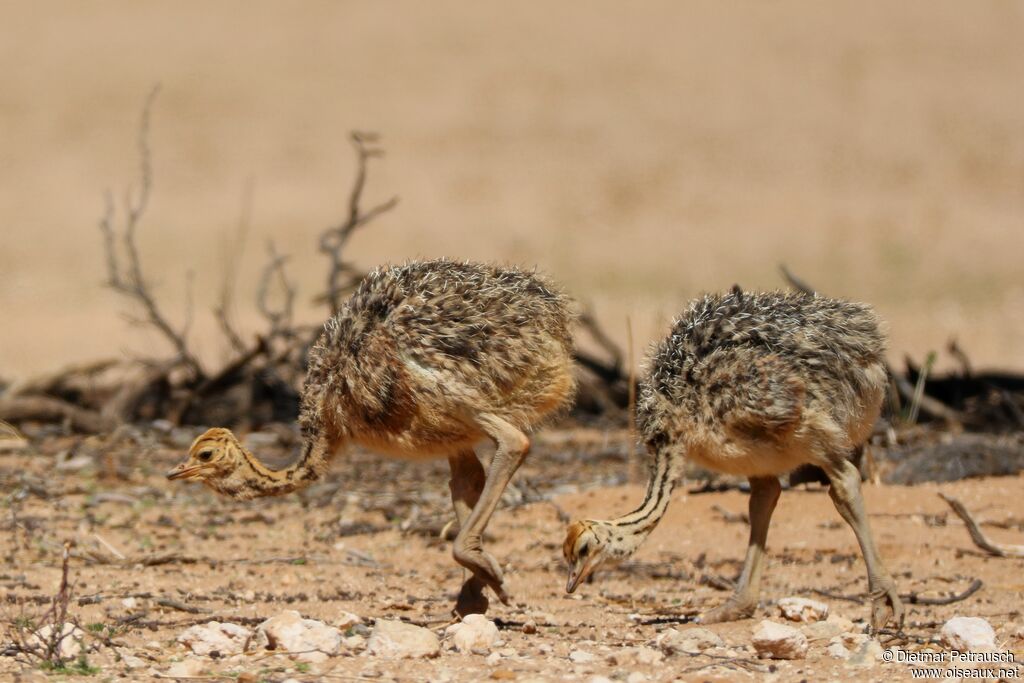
<point x="232" y="256"/>
<point x="922" y="377"/>
<point x="127" y="278"/>
<point x="342" y="274"/>
<point x="280" y="319"/>
<point x="980" y="540"/>
<point x="915" y="599"/>
<point x="961" y="357"/>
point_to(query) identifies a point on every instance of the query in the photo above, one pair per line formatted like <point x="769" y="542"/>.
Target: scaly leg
<point x="764" y="494"/>
<point x="466" y="484"/>
<point x="512" y="449"/>
<point x="845" y="493"/>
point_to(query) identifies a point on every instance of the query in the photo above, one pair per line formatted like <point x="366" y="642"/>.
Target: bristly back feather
<point x="752" y="363"/>
<point x="438" y="332"/>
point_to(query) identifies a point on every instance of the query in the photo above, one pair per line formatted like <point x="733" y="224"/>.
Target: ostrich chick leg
<point x="512" y="449"/>
<point x="846" y="495"/>
<point x="466" y="484"/>
<point x="764" y="494"/>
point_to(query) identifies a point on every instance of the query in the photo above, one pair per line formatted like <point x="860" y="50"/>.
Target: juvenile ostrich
<point x="424" y="361"/>
<point x="755" y="385"/>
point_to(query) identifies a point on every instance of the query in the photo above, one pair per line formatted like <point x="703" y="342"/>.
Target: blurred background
<point x="638" y="153"/>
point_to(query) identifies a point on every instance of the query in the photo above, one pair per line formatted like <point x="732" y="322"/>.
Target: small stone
<point x="133" y="662"/>
<point x="475" y="633"/>
<point x="129" y="603"/>
<point x="309" y="639"/>
<point x="214" y="636"/>
<point x="802" y="609"/>
<point x="400" y="640"/>
<point x="346" y="620"/>
<point x="492" y="659"/>
<point x="972" y="634"/>
<point x="186" y="668"/>
<point x="866" y="655"/>
<point x="636" y="677"/>
<point x="530" y="627"/>
<point x="688" y="641"/>
<point x="778" y="641"/>
<point x="582" y="657"/>
<point x="249" y="596"/>
<point x="599" y="679"/>
<point x="836" y="649"/>
<point x="356" y="642"/>
<point x="822" y="630"/>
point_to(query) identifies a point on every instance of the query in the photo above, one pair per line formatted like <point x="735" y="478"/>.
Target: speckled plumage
<point x="424" y="360"/>
<point x="755" y="384"/>
<point x="743" y="376"/>
<point x="420" y="348"/>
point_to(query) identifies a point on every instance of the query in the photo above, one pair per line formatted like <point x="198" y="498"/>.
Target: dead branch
<point x="232" y="256"/>
<point x="961" y="357"/>
<point x="980" y="540"/>
<point x="127" y="278"/>
<point x="915" y="599"/>
<point x="48" y="409"/>
<point x="342" y="274"/>
<point x="280" y="319"/>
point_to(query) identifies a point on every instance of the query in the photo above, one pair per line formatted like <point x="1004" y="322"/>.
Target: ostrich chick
<point x="755" y="385"/>
<point x="424" y="360"/>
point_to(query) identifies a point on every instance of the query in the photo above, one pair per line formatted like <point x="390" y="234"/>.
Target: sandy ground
<point x="341" y="546"/>
<point x="640" y="154"/>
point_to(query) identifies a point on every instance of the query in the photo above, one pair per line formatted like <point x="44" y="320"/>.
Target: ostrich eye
<point x="205" y="456"/>
<point x="584" y="550"/>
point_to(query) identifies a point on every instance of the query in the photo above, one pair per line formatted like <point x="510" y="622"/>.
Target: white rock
<point x="968" y="633"/>
<point x="803" y="609"/>
<point x="599" y="679"/>
<point x="356" y="642"/>
<point x="837" y="650"/>
<point x="346" y="620"/>
<point x="821" y="630"/>
<point x="186" y="668"/>
<point x="581" y="657"/>
<point x="778" y="641"/>
<point x="130" y="603"/>
<point x="70" y="643"/>
<point x="133" y="662"/>
<point x="214" y="636"/>
<point x="689" y="641"/>
<point x="309" y="639"/>
<point x="866" y="655"/>
<point x="493" y="659"/>
<point x="636" y="677"/>
<point x="475" y="633"/>
<point x="400" y="640"/>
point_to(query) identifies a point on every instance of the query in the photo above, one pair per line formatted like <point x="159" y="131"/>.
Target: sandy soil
<point x="639" y="154"/>
<point x="341" y="546"/>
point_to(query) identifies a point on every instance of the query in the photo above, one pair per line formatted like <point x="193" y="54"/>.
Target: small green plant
<point x="302" y="667"/>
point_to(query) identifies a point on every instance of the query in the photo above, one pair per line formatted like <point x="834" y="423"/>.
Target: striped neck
<point x="255" y="480"/>
<point x="630" y="530"/>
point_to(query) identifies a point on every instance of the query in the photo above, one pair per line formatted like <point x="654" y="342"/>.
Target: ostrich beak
<point x="185" y="471"/>
<point x="576" y="575"/>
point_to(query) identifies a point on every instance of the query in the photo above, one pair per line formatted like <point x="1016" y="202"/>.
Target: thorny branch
<point x="342" y="274"/>
<point x="126" y="278"/>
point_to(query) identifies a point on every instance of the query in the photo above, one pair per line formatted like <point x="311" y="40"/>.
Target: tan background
<point x="639" y="152"/>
